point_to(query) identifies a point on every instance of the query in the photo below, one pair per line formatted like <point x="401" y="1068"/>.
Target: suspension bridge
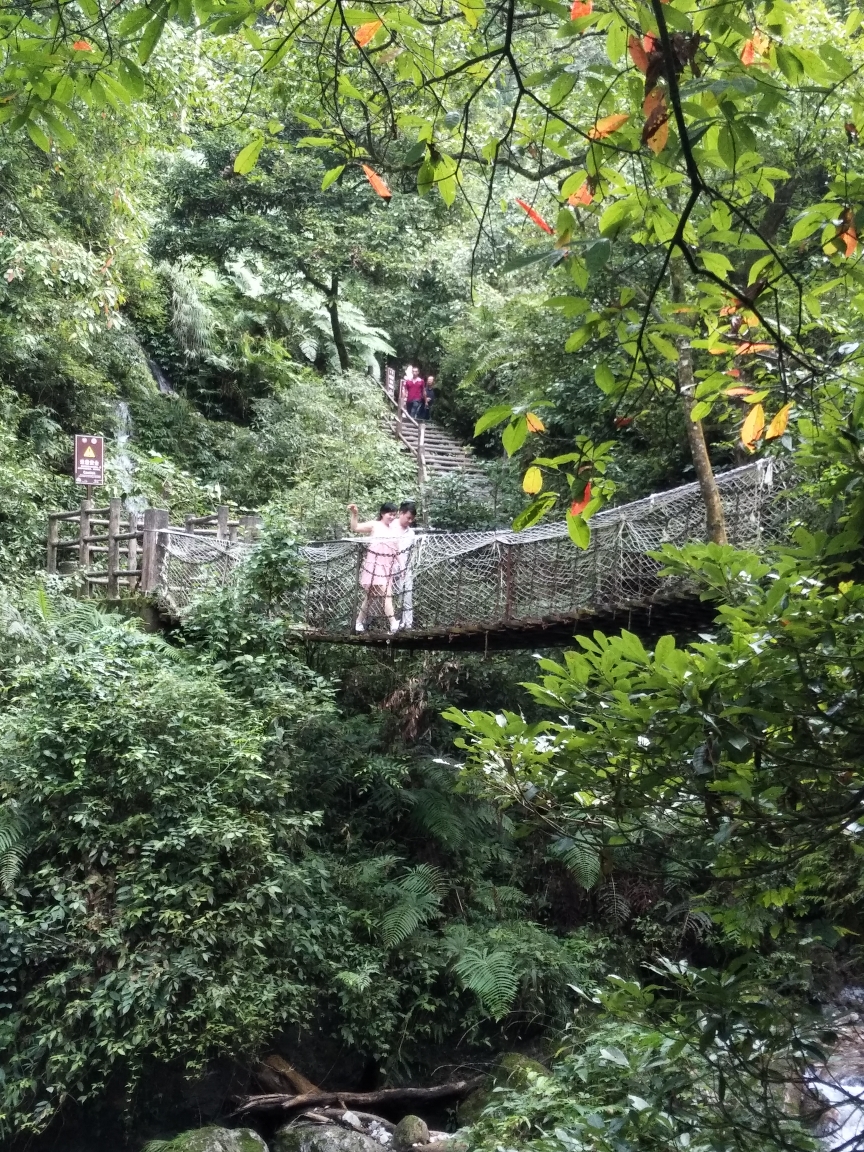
<point x="471" y="590"/>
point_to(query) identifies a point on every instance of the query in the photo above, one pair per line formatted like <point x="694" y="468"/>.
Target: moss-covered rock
<point x="215" y="1139"/>
<point x="410" y="1130"/>
<point x="511" y="1071"/>
<point x="321" y="1138"/>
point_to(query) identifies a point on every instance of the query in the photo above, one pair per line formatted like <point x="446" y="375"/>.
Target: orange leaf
<point x="622" y="421"/>
<point x="778" y="425"/>
<point x="847" y="233"/>
<point x="581" y="8"/>
<point x="752" y="427"/>
<point x="608" y="125"/>
<point x="82" y="46"/>
<point x="730" y="309"/>
<point x="655" y="132"/>
<point x="748" y="53"/>
<point x="741" y="391"/>
<point x="638" y="54"/>
<point x="649" y="42"/>
<point x="582" y="195"/>
<point x="366" y="32"/>
<point x="536" y="217"/>
<point x="747" y="349"/>
<point x="732" y="372"/>
<point x="377" y="183"/>
<point x="579" y="506"/>
<point x="761" y="43"/>
<point x="535" y="424"/>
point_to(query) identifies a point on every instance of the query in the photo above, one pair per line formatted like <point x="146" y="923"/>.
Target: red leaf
<point x="748" y="53"/>
<point x="581" y="8"/>
<point x="623" y="421"/>
<point x="733" y="372"/>
<point x="579" y="506"/>
<point x="583" y="195"/>
<point x="649" y="42"/>
<point x="82" y="46"/>
<point x="377" y="183"/>
<point x="536" y="217"/>
<point x="747" y="348"/>
<point x="638" y="54"/>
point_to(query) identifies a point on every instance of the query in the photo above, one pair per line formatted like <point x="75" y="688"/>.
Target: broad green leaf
<point x="150" y="39"/>
<point x="331" y="175"/>
<point x="38" y="136"/>
<point x="578" y="530"/>
<point x="535" y="511"/>
<point x="247" y="157"/>
<point x="514" y="435"/>
<point x="493" y="416"/>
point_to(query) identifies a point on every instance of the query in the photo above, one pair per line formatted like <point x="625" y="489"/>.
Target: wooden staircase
<point x="435" y="451"/>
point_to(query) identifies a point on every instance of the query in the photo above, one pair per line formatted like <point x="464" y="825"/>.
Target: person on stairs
<point x="412" y="391"/>
<point x="428" y="398"/>
<point x="379" y="560"/>
<point x="403" y="573"/>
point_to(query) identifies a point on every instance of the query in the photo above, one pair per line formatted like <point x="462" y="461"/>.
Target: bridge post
<point x="222" y="514"/>
<point x="132" y="553"/>
<point x="84" y="534"/>
<point x="53" y="541"/>
<point x="115" y="507"/>
<point x="250" y="527"/>
<point x="155" y="519"/>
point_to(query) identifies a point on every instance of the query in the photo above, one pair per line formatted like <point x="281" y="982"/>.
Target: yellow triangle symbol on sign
<point x="89" y="452"/>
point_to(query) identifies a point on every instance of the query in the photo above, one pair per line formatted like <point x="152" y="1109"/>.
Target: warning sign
<point x="391" y="382"/>
<point x="89" y="460"/>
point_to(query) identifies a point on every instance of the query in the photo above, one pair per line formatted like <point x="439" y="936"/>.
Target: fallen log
<point x="282" y="1102"/>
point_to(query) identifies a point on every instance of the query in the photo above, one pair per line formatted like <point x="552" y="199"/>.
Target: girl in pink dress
<point x="379" y="560"/>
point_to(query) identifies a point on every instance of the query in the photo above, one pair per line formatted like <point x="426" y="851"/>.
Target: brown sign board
<point x="90" y="460"/>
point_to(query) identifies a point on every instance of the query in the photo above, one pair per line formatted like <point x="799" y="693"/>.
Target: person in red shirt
<point x="412" y="390"/>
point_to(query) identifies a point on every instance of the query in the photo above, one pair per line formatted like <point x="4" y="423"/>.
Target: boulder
<point x="321" y="1138"/>
<point x="511" y="1071"/>
<point x="218" y="1140"/>
<point x="410" y="1130"/>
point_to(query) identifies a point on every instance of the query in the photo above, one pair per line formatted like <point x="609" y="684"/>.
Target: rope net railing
<point x="502" y="579"/>
<point x="482" y="581"/>
<point x="192" y="565"/>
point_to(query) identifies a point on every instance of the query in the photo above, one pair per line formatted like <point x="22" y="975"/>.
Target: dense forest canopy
<point x="624" y="238"/>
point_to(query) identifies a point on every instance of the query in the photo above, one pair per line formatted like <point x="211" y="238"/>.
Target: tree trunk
<point x="336" y="324"/>
<point x="695" y="432"/>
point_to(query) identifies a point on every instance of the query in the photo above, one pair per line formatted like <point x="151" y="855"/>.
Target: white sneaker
<point x="394" y="625"/>
<point x="358" y="627"/>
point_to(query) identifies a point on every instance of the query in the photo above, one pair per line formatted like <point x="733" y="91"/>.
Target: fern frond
<point x="419" y="899"/>
<point x="434" y="813"/>
<point x="11" y="844"/>
<point x="492" y="976"/>
<point x="580" y="856"/>
<point x="612" y="904"/>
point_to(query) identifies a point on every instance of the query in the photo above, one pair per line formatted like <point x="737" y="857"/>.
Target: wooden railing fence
<point x="131" y="543"/>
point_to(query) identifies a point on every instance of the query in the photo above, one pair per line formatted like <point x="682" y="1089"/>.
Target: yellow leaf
<point x="366" y="32"/>
<point x="533" y="481"/>
<point x="535" y="424"/>
<point x="752" y="427"/>
<point x="778" y="425"/>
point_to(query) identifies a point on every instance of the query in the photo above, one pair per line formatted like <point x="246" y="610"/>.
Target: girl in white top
<point x="379" y="560"/>
<point x="403" y="574"/>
